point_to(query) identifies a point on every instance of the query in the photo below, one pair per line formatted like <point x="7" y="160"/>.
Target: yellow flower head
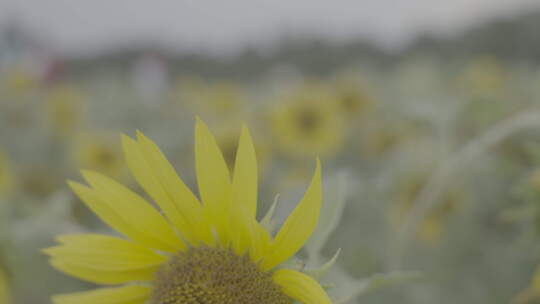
<point x="64" y="107"/>
<point x="308" y="123"/>
<point x="534" y="179"/>
<point x="98" y="152"/>
<point x="352" y="98"/>
<point x="484" y="77"/>
<point x="17" y="81"/>
<point x="6" y="175"/>
<point x="215" y="101"/>
<point x="38" y="180"/>
<point x="206" y="249"/>
<point x="5" y="294"/>
<point x="382" y="135"/>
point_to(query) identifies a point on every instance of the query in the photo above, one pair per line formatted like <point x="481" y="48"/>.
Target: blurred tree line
<point x="513" y="39"/>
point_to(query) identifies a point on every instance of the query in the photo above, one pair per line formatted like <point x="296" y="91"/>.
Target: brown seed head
<point x="206" y="275"/>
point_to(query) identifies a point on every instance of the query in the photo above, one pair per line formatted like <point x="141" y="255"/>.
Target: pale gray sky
<point x="223" y="26"/>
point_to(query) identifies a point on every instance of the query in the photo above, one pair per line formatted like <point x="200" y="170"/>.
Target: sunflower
<point x="308" y="123"/>
<point x="203" y="250"/>
<point x="64" y="109"/>
<point x="96" y="151"/>
<point x="6" y="175"/>
<point x="5" y="297"/>
<point x="38" y="180"/>
<point x="17" y="81"/>
<point x="484" y="77"/>
<point x="534" y="180"/>
<point x="433" y="225"/>
<point x="213" y="101"/>
<point x="352" y="98"/>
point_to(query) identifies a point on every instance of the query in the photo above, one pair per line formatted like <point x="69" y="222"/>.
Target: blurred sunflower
<point x="380" y="141"/>
<point x="64" y="109"/>
<point x="18" y="81"/>
<point x="214" y="102"/>
<point x="39" y="181"/>
<point x="484" y="77"/>
<point x="384" y="135"/>
<point x="6" y="175"/>
<point x="5" y="294"/>
<point x="352" y="98"/>
<point x="308" y="123"/>
<point x="432" y="226"/>
<point x="214" y="252"/>
<point x="98" y="151"/>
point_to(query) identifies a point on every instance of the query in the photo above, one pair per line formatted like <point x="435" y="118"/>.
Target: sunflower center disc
<point x="206" y="275"/>
<point x="308" y="120"/>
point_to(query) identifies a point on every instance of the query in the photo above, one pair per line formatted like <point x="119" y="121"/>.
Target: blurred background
<point x="430" y="109"/>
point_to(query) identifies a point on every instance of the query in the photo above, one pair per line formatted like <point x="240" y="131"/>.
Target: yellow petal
<point x="134" y="209"/>
<point x="212" y="172"/>
<point x="213" y="179"/>
<point x="106" y="213"/>
<point x="300" y="287"/>
<point x="133" y="294"/>
<point x="260" y="240"/>
<point x="238" y="231"/>
<point x="104" y="252"/>
<point x="102" y="276"/>
<point x="298" y="226"/>
<point x="244" y="185"/>
<point x="127" y="212"/>
<point x="158" y="178"/>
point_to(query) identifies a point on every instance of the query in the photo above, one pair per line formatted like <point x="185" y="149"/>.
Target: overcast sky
<point x="223" y="26"/>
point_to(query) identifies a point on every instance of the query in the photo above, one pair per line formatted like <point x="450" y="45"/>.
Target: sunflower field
<point x="416" y="181"/>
